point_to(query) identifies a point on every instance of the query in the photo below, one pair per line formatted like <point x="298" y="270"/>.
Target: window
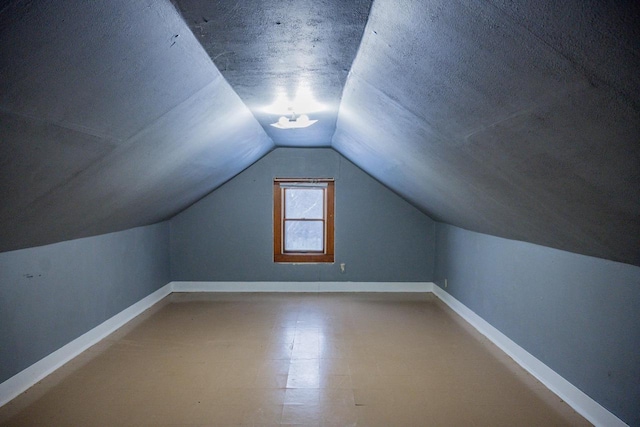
<point x="303" y="211"/>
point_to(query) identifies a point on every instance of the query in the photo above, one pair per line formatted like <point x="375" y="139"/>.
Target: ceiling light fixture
<point x="294" y="113"/>
<point x="293" y="122"/>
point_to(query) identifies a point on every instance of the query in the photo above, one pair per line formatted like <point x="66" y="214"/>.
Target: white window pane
<point x="304" y="203"/>
<point x="303" y="236"/>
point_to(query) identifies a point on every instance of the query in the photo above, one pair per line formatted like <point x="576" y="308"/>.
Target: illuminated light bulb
<point x="303" y="120"/>
<point x="280" y="106"/>
<point x="303" y="103"/>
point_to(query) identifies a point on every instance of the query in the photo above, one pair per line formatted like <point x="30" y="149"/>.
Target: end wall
<point x="228" y="235"/>
<point x="51" y="295"/>
<point x="577" y="314"/>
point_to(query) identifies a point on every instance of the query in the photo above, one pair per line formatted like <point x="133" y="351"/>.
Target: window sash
<point x="289" y="210"/>
<point x="286" y="218"/>
<point x="280" y="220"/>
<point x="304" y="250"/>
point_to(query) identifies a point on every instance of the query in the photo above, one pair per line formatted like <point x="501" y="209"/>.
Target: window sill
<point x="303" y="258"/>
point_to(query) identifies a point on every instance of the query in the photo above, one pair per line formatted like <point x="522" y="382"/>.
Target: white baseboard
<point x="25" y="379"/>
<point x="578" y="400"/>
<point x="301" y="286"/>
<point x="583" y="404"/>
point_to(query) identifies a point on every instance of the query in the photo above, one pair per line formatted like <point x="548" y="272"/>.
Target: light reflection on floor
<point x="292" y="359"/>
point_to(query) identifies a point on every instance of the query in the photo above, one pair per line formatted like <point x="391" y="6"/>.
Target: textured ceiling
<point x="111" y="116"/>
<point x="520" y="120"/>
<point x="264" y="47"/>
<point x="516" y="119"/>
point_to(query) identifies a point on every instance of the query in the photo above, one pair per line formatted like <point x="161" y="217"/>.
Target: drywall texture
<point x="228" y="235"/>
<point x="577" y="314"/>
<point x="518" y="119"/>
<point x="52" y="294"/>
<point x="110" y="123"/>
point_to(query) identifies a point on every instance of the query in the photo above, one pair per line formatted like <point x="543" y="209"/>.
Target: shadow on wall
<point x="575" y="313"/>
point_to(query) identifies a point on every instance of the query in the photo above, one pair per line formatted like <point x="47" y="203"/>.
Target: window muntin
<point x="303" y="220"/>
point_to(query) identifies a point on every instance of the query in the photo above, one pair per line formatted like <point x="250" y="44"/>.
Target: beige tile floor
<point x="292" y="359"/>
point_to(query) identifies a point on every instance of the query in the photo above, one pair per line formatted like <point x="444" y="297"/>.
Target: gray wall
<point x="52" y="294"/>
<point x="228" y="235"/>
<point x="577" y="314"/>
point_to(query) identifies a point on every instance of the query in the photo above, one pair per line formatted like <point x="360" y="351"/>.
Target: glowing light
<point x="280" y="106"/>
<point x="294" y="113"/>
<point x="305" y="103"/>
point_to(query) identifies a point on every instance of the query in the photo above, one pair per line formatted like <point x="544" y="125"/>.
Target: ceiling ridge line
<point x="63" y="125"/>
<point x="396" y="103"/>
<point x="151" y="122"/>
<point x="120" y="148"/>
<point x="555" y="213"/>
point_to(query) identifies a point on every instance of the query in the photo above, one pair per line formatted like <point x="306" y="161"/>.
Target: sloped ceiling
<point x="517" y="119"/>
<point x="112" y="116"/>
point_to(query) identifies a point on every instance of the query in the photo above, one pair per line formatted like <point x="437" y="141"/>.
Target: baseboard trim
<point x="574" y="397"/>
<point x="578" y="400"/>
<point x="301" y="286"/>
<point x="28" y="377"/>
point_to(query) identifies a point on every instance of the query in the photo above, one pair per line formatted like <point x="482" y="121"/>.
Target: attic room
<point x="479" y="170"/>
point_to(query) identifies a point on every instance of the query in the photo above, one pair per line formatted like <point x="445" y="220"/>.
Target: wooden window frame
<point x="327" y="255"/>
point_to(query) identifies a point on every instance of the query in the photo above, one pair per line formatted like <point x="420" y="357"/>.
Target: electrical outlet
<point x="342" y="267"/>
<point x="445" y="283"/>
